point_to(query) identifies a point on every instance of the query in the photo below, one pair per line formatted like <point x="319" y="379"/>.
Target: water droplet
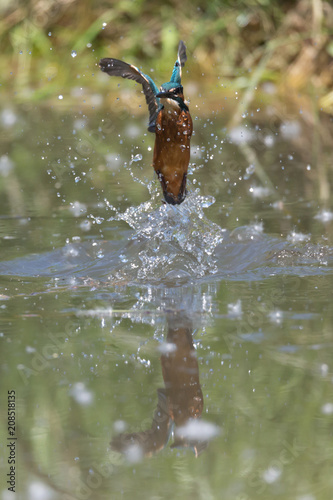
<point x="60" y="97"/>
<point x="123" y="258"/>
<point x="6" y="165"/>
<point x="78" y="208"/>
<point x="73" y="53"/>
<point x="85" y="225"/>
<point x="99" y="220"/>
<point x="249" y="171"/>
<point x="324" y="216"/>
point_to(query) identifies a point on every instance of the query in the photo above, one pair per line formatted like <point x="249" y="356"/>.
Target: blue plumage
<point x="115" y="67"/>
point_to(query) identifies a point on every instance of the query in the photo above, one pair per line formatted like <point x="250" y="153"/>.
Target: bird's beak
<point x="166" y="95"/>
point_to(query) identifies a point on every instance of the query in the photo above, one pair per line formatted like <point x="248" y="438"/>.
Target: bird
<point x="169" y="119"/>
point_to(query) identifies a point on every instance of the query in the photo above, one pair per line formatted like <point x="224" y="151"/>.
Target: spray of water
<point x="169" y="242"/>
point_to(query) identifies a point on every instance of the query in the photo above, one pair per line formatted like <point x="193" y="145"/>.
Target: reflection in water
<point x="180" y="401"/>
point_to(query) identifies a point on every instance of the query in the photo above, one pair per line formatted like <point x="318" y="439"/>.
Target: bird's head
<point x="171" y="94"/>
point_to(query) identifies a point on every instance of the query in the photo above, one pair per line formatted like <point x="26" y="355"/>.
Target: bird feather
<point x="115" y="67"/>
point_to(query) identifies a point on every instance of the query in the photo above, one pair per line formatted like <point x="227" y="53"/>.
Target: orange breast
<point x="172" y="152"/>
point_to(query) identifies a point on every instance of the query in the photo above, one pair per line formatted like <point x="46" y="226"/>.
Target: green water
<point x="121" y="318"/>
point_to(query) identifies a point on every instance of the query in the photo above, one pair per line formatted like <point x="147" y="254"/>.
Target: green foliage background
<point x="290" y="41"/>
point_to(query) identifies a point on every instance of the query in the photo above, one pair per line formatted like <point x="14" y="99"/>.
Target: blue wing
<point x="179" y="64"/>
<point x="115" y="67"/>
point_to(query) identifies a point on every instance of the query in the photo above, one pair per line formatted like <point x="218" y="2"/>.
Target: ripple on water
<point x="173" y="246"/>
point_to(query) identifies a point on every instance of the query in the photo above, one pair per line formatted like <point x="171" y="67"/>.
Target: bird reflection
<point x="179" y="402"/>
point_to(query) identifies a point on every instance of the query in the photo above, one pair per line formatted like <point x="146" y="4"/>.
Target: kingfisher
<point x="169" y="120"/>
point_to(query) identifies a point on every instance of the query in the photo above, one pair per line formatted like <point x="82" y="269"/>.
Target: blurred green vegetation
<point x="242" y="43"/>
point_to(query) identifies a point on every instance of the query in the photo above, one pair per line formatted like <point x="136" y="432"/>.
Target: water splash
<point x="171" y="246"/>
<point x="169" y="242"/>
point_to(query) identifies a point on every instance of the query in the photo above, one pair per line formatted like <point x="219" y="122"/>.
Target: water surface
<point x="162" y="351"/>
